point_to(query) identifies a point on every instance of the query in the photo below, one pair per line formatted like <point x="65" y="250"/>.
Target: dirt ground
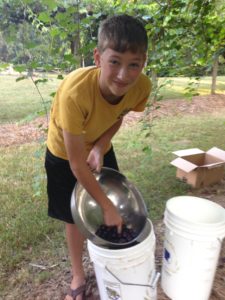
<point x="54" y="289"/>
<point x="17" y="134"/>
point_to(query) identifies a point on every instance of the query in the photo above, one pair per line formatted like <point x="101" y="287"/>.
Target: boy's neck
<point x="113" y="100"/>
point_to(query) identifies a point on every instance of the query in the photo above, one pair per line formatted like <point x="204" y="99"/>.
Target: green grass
<point x="175" y="89"/>
<point x="151" y="171"/>
<point x="23" y="221"/>
<point x="26" y="230"/>
<point x="27" y="234"/>
<point x="21" y="99"/>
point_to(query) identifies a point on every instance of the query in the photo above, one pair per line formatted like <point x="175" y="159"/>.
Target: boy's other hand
<point x="112" y="216"/>
<point x="95" y="160"/>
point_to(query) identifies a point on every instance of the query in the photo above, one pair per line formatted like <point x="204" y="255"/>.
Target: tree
<point x="211" y="29"/>
<point x="186" y="37"/>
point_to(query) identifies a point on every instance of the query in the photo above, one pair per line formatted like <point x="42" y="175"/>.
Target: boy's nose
<point x="122" y="74"/>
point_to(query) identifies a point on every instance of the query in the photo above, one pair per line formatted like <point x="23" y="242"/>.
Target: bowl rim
<point x="92" y="235"/>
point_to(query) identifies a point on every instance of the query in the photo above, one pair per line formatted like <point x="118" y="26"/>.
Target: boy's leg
<point x="59" y="171"/>
<point x="60" y="185"/>
<point x="75" y="242"/>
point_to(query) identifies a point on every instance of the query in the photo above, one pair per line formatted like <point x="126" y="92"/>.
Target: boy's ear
<point x="97" y="57"/>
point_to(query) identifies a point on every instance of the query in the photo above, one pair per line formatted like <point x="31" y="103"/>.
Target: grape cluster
<point x="110" y="233"/>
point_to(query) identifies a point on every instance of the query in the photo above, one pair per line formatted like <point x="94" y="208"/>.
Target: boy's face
<point x="119" y="72"/>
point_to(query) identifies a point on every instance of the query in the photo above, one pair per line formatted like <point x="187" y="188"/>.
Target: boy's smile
<point x="119" y="72"/>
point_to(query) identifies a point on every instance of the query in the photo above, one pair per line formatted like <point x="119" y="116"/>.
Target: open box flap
<point x="187" y="152"/>
<point x="213" y="165"/>
<point x="216" y="152"/>
<point x="183" y="164"/>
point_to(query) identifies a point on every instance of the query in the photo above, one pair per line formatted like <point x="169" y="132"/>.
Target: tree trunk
<point x="154" y="75"/>
<point x="214" y="75"/>
<point x="154" y="79"/>
<point x="75" y="44"/>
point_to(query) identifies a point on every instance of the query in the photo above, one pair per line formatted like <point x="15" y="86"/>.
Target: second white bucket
<point x="195" y="228"/>
<point x="126" y="274"/>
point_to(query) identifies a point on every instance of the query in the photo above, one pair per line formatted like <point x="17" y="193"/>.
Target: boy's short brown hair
<point x="122" y="33"/>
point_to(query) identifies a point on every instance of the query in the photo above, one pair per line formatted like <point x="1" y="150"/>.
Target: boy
<point x="86" y="113"/>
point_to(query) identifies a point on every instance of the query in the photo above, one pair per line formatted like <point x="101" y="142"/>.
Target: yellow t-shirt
<point x="79" y="108"/>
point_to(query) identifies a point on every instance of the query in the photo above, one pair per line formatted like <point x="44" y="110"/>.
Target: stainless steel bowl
<point x="88" y="216"/>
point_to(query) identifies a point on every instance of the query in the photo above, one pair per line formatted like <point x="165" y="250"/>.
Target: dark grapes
<point x="110" y="233"/>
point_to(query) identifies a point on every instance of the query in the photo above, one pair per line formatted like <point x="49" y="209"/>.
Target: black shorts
<point x="61" y="182"/>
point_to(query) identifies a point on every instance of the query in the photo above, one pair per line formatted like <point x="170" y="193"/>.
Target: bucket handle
<point x="153" y="280"/>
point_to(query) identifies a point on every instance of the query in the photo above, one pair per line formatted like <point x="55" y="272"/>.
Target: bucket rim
<point x="169" y="212"/>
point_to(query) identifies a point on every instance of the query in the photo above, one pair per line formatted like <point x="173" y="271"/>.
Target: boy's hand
<point x="95" y="159"/>
<point x="112" y="216"/>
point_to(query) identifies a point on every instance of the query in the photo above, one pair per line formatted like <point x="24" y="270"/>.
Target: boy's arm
<point x="95" y="157"/>
<point x="76" y="152"/>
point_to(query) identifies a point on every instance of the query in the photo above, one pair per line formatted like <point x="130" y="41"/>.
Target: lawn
<point x="19" y="100"/>
<point x="26" y="231"/>
<point x="175" y="87"/>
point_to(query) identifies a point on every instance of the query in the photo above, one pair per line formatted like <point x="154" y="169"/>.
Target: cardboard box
<point x="199" y="168"/>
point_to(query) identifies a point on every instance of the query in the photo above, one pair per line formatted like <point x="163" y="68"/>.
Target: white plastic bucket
<point x="195" y="228"/>
<point x="126" y="274"/>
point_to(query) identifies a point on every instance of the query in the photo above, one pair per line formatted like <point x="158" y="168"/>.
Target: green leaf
<point x="53" y="94"/>
<point x="20" y="78"/>
<point x="69" y="58"/>
<point x="20" y="69"/>
<point x="147" y="150"/>
<point x="60" y="76"/>
<point x="55" y="31"/>
<point x="44" y="17"/>
<point x="166" y="20"/>
<point x="71" y="10"/>
<point x="61" y="17"/>
<point x="33" y="65"/>
<point x="52" y="4"/>
<point x="40" y="81"/>
<point x="48" y="67"/>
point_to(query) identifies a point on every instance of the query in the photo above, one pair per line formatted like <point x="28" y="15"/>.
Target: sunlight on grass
<point x="176" y="88"/>
<point x="23" y="95"/>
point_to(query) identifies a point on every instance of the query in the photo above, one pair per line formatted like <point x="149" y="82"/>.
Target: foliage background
<point x="186" y="37"/>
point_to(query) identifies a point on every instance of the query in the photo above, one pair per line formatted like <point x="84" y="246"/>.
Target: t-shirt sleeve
<point x="71" y="114"/>
<point x="144" y="95"/>
<point x="141" y="105"/>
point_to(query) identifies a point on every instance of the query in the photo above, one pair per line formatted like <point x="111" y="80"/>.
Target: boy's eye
<point x="114" y="62"/>
<point x="134" y="65"/>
